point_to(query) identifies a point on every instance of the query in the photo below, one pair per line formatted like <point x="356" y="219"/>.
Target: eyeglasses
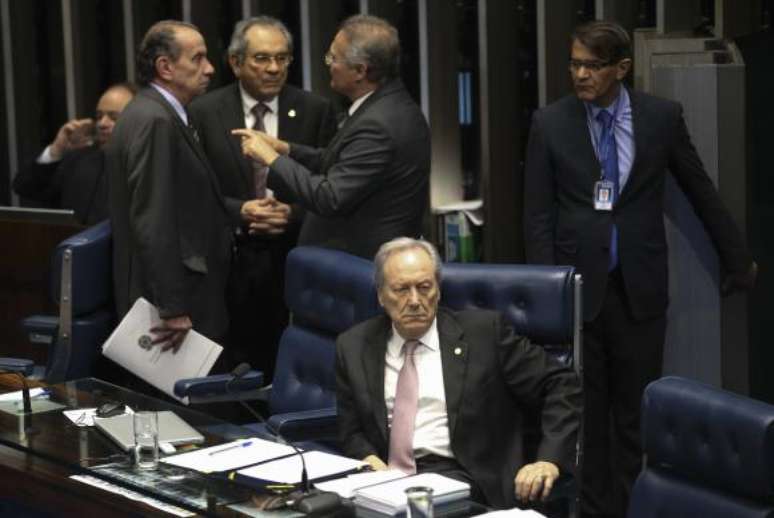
<point x="593" y="66"/>
<point x="264" y="60"/>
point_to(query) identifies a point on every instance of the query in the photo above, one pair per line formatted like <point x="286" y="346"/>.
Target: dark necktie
<point x="608" y="157"/>
<point x="404" y="412"/>
<point x="260" y="172"/>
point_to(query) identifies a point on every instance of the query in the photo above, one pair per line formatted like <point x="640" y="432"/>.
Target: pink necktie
<point x="404" y="412"/>
<point x="260" y="171"/>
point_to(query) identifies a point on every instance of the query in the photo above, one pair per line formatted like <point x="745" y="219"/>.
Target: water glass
<point x="146" y="440"/>
<point x="419" y="502"/>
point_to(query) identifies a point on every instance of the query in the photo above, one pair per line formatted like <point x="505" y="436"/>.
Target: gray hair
<point x="238" y="45"/>
<point x="159" y="41"/>
<point x="400" y="244"/>
<point x="372" y="42"/>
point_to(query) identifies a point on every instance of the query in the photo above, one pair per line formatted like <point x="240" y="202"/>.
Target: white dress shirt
<point x="357" y="102"/>
<point x="431" y="429"/>
<point x="270" y="119"/>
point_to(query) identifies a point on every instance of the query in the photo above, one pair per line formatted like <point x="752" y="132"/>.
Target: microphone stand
<point x="309" y="501"/>
<point x="29" y="429"/>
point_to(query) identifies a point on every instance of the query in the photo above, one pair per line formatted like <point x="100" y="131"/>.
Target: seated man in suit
<point x="69" y="172"/>
<point x="423" y="389"/>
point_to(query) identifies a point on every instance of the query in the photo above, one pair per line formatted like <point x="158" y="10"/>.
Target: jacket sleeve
<point x="539" y="198"/>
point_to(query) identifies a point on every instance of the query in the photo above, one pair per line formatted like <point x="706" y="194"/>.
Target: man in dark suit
<point x="371" y="183"/>
<point x="428" y="390"/>
<point x="260" y="53"/>
<point x="594" y="196"/>
<point x="69" y="173"/>
<point x="171" y="239"/>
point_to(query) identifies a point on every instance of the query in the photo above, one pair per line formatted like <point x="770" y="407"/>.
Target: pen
<point x="232" y="447"/>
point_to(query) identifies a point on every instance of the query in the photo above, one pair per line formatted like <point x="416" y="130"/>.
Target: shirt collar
<point x="248" y="102"/>
<point x="616" y="108"/>
<point x="358" y="102"/>
<point x="429" y="339"/>
<point x="171" y="99"/>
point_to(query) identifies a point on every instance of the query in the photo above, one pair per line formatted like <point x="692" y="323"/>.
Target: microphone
<point x="310" y="501"/>
<point x="20" y="370"/>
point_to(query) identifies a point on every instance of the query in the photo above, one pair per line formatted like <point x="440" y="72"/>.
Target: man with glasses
<point x="266" y="226"/>
<point x="371" y="183"/>
<point x="594" y="198"/>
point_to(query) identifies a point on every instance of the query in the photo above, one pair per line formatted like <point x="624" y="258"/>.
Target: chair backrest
<point x="540" y="302"/>
<point x="327" y="292"/>
<point x="81" y="285"/>
<point x="709" y="453"/>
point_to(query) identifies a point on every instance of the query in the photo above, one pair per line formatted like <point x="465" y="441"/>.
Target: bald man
<point x="69" y="173"/>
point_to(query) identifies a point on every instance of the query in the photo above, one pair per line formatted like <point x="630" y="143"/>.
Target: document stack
<point x="389" y="498"/>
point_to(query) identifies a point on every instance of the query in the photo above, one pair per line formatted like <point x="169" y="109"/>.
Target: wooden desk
<point x="43" y="484"/>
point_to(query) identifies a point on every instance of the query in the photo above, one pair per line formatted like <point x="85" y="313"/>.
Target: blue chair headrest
<point x="536" y="300"/>
<point x="92" y="277"/>
<point x="710" y="435"/>
<point x="329" y="289"/>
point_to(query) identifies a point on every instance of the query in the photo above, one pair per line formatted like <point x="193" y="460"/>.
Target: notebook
<point x="172" y="429"/>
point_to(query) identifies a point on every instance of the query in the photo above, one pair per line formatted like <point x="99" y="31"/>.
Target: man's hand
<point x="535" y="480"/>
<point x="280" y="146"/>
<point x="375" y="462"/>
<point x="171" y="332"/>
<point x="266" y="216"/>
<point x="740" y="281"/>
<point x="73" y="135"/>
<point x="257" y="145"/>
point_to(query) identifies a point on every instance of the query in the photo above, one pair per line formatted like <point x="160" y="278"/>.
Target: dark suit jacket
<point x="171" y="242"/>
<point x="562" y="226"/>
<point x="489" y="376"/>
<point x="75" y="182"/>
<point x="215" y="114"/>
<point x="370" y="184"/>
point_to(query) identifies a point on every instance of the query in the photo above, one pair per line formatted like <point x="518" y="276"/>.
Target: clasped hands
<point x="265" y="216"/>
<point x="261" y="147"/>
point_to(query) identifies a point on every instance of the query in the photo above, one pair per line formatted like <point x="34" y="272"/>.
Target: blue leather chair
<point x="327" y="292"/>
<point x="81" y="286"/>
<point x="709" y="452"/>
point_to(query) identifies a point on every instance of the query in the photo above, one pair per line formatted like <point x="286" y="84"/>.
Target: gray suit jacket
<point x="171" y="242"/>
<point x="370" y="184"/>
<point x="490" y="376"/>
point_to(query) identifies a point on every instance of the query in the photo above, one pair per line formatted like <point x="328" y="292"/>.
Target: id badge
<point x="603" y="195"/>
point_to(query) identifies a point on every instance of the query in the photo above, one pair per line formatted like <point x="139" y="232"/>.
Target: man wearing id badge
<point x="594" y="198"/>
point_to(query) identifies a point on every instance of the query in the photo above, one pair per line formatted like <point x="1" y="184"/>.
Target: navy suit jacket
<point x="562" y="227"/>
<point x="490" y="376"/>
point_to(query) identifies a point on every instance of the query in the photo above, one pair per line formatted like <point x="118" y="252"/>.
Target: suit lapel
<point x="454" y="361"/>
<point x="189" y="137"/>
<point x="289" y="115"/>
<point x="232" y="116"/>
<point x="579" y="126"/>
<point x="373" y="368"/>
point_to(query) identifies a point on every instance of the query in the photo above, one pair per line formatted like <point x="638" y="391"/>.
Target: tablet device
<point x="172" y="429"/>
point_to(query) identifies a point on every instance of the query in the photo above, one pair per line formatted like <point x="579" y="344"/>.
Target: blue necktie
<point x="608" y="157"/>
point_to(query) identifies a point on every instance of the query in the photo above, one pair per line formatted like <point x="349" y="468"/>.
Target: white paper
<point x="390" y="497"/>
<point x="85" y="416"/>
<point x="239" y="453"/>
<point x="17" y="396"/>
<point x="346" y="486"/>
<point x="513" y="513"/>
<point x="132" y="495"/>
<point x="288" y="470"/>
<point x="194" y="358"/>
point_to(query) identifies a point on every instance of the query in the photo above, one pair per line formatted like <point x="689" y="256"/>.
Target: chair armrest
<point x="212" y="389"/>
<point x="306" y="424"/>
<point x="22" y="366"/>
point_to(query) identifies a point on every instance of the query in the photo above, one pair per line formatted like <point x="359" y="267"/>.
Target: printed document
<point x="130" y="347"/>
